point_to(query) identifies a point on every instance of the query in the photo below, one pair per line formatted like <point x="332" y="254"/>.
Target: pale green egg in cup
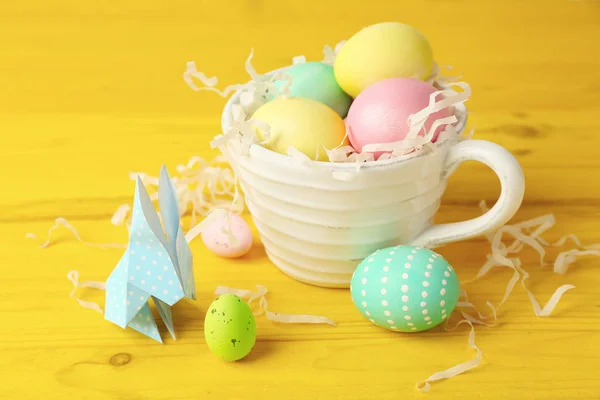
<point x="316" y="81"/>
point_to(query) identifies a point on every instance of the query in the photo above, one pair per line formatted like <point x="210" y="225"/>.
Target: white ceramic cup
<point x="317" y="229"/>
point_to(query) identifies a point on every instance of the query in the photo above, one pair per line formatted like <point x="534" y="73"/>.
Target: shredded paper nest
<point x="205" y="187"/>
<point x="261" y="87"/>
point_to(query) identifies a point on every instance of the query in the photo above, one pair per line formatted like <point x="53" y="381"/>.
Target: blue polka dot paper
<point x="157" y="264"/>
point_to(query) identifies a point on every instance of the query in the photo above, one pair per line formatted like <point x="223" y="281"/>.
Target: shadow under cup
<point x="317" y="228"/>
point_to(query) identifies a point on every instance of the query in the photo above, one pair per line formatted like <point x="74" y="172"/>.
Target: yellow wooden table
<point x="91" y="91"/>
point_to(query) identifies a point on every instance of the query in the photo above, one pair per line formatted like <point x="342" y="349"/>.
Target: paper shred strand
<point x="527" y="233"/>
<point x="481" y="319"/>
<point x="63" y="222"/>
<point x="197" y="229"/>
<point x="330" y="54"/>
<point x="338" y="47"/>
<point x="566" y="258"/>
<point x="209" y="83"/>
<point x="73" y="276"/>
<point x="551" y="304"/>
<point x="425" y="385"/>
<point x="201" y="187"/>
<point x="298" y="60"/>
<point x="298" y="157"/>
<point x="260" y="295"/>
<point x="120" y="216"/>
<point x="466" y="304"/>
<point x="216" y="214"/>
<point x="249" y="68"/>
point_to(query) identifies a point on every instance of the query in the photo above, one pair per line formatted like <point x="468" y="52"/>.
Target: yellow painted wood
<point x="91" y="91"/>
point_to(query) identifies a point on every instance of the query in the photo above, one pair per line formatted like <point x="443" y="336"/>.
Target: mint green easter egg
<point x="316" y="81"/>
<point x="405" y="288"/>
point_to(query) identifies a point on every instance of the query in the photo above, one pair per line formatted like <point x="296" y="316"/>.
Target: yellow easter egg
<point x="302" y="123"/>
<point x="382" y="51"/>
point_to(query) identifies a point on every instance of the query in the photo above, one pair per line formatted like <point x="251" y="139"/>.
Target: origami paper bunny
<point x="157" y="264"/>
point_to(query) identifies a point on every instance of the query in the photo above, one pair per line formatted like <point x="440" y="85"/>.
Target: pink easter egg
<point x="380" y="113"/>
<point x="228" y="235"/>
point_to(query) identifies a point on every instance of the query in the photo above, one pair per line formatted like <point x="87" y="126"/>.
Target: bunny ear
<point x="169" y="207"/>
<point x="145" y="216"/>
<point x="177" y="245"/>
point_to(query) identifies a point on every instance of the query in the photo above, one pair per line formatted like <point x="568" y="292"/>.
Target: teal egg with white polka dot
<point x="405" y="288"/>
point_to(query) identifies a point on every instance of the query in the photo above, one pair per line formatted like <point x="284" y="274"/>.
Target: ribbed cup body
<point x="317" y="229"/>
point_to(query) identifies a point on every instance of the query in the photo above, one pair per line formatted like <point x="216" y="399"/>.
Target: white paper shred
<point x="566" y="258"/>
<point x="298" y="60"/>
<point x="215" y="215"/>
<point x="329" y="53"/>
<point x="201" y="188"/>
<point x="471" y="320"/>
<point x="480" y="319"/>
<point x="438" y="100"/>
<point x="120" y="216"/>
<point x="298" y="157"/>
<point x="73" y="276"/>
<point x="527" y="234"/>
<point x="209" y="83"/>
<point x="425" y="385"/>
<point x="345" y="176"/>
<point x="64" y="223"/>
<point x="503" y="254"/>
<point x="260" y="294"/>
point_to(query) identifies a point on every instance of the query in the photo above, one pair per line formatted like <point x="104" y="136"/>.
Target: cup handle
<point x="502" y="162"/>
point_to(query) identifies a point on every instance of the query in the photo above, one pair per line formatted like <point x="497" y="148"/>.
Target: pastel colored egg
<point x="229" y="328"/>
<point x="305" y="124"/>
<point x="380" y="114"/>
<point x="227" y="235"/>
<point x="382" y="51"/>
<point x="405" y="288"/>
<point x="316" y="81"/>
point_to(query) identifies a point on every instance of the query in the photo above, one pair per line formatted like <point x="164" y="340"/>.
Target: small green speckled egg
<point x="316" y="81"/>
<point x="229" y="328"/>
<point x="405" y="288"/>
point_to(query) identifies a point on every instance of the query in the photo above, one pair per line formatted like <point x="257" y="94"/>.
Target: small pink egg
<point x="380" y="113"/>
<point x="228" y="235"/>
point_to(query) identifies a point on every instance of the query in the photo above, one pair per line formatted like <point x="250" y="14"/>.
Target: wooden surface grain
<point x="93" y="90"/>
